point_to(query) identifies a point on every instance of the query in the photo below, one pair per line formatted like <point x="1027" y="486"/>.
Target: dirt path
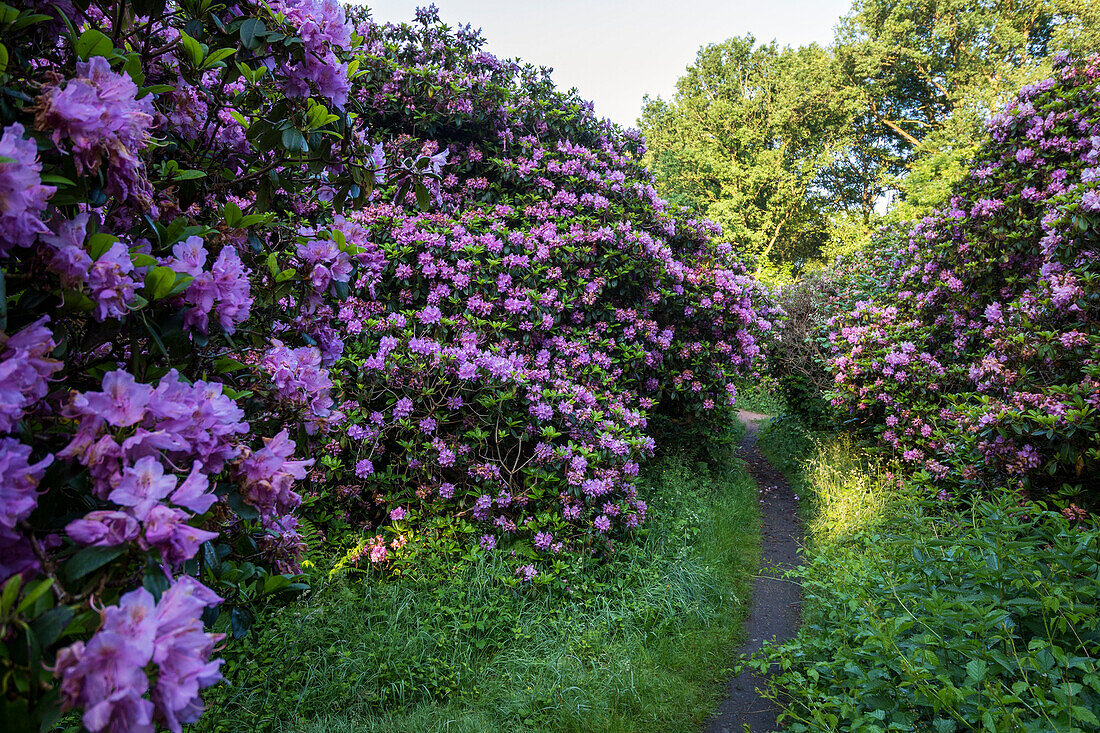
<point x="774" y="611"/>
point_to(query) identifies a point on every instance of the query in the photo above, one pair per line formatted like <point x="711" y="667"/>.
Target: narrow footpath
<point x="774" y="611"/>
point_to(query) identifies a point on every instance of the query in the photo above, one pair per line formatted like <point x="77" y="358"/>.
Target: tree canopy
<point x="779" y="145"/>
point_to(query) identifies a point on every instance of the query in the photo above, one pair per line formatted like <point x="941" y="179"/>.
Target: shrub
<point x="979" y="368"/>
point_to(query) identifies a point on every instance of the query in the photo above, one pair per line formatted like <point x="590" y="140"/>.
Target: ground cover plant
<point x="275" y="278"/>
<point x="922" y="615"/>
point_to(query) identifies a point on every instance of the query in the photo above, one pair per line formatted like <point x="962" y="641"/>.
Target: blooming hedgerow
<point x="978" y="365"/>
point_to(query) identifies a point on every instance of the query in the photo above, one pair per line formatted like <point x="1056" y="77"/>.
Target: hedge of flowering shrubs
<point x="980" y="365"/>
<point x="260" y="262"/>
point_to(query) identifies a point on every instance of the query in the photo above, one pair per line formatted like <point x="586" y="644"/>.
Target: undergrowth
<point x="638" y="640"/>
<point x="921" y="616"/>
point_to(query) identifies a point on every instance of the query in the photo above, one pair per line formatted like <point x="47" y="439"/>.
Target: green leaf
<point x="3" y="58"/>
<point x="250" y="29"/>
<point x="133" y="68"/>
<point x="159" y="282"/>
<point x="154" y="89"/>
<point x="193" y="49"/>
<point x="182" y="281"/>
<point x="232" y="214"/>
<point x="93" y="43"/>
<point x="294" y="141"/>
<point x="140" y="259"/>
<point x="217" y="56"/>
<point x="99" y="243"/>
<point x="225" y="365"/>
<point x="53" y="179"/>
<point x="11" y="591"/>
<point x="422" y="197"/>
<point x="91" y="559"/>
<point x="188" y="175"/>
<point x="49" y="625"/>
<point x="33" y="594"/>
<point x="976" y="669"/>
<point x="240" y="621"/>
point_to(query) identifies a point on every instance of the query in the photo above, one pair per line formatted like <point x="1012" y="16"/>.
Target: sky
<point x="617" y="51"/>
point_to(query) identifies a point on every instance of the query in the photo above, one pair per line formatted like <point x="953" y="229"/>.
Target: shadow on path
<point x="774" y="610"/>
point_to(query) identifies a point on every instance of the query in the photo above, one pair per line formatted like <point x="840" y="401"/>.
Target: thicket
<point x="274" y="277"/>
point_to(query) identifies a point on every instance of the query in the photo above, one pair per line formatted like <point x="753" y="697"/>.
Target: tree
<point x="932" y="71"/>
<point x="746" y="139"/>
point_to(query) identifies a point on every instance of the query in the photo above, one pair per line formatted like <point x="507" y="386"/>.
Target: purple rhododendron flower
<point x="104" y="528"/>
<point x="184" y="422"/>
<point x="602" y="523"/>
<point x="107" y="675"/>
<point x="403" y="408"/>
<point x="22" y="195"/>
<point x="188" y="257"/>
<point x="268" y="476"/>
<point x="398" y="514"/>
<point x="109" y="278"/>
<point x="364" y="468"/>
<point x="330" y="263"/>
<point x="18" y="482"/>
<point x="224" y="290"/>
<point x="25" y="369"/>
<point x="301" y="381"/>
<point x="321" y="24"/>
<point x="98" y="112"/>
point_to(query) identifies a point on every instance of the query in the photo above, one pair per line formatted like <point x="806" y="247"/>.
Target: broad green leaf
<point x="159" y="281"/>
<point x="33" y="593"/>
<point x="91" y="559"/>
<point x="250" y="29"/>
<point x="49" y="626"/>
<point x="140" y="259"/>
<point x="11" y="591"/>
<point x="216" y="56"/>
<point x="93" y="43"/>
<point x="99" y="243"/>
<point x="193" y="49"/>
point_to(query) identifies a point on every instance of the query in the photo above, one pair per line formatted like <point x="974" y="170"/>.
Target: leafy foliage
<point x="920" y="616"/>
<point x="745" y="139"/>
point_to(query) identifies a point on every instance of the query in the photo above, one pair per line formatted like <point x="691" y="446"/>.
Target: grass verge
<point x="638" y="642"/>
<point x="923" y="616"/>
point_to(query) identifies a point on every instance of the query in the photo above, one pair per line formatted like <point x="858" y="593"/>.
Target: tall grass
<point x="639" y="642"/>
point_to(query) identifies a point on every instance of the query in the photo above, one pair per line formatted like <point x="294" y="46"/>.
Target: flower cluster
<point x="107" y="676"/>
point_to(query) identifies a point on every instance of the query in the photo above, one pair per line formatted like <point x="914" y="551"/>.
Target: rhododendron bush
<point x="979" y="367"/>
<point x="264" y="262"/>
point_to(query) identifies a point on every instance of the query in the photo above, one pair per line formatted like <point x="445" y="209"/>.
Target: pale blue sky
<point x="616" y="51"/>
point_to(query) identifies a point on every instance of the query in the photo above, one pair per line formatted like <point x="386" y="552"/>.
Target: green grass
<point x="639" y="642"/>
<point x="764" y="398"/>
<point x="926" y="616"/>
